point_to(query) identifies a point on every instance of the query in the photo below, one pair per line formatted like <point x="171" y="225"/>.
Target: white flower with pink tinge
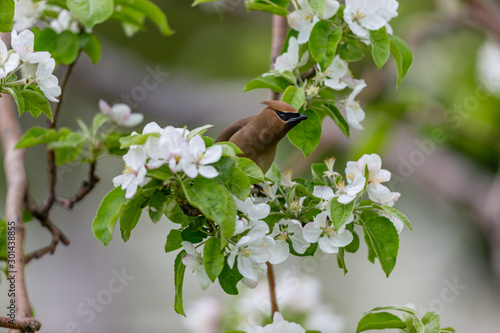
<point x="8" y="63"/>
<point x="121" y="114"/>
<point x="304" y="19"/>
<point x="194" y="262"/>
<point x="200" y="159"/>
<point x="365" y="15"/>
<point x="135" y="171"/>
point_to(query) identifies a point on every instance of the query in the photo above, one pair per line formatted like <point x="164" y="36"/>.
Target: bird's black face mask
<point x="290" y="117"/>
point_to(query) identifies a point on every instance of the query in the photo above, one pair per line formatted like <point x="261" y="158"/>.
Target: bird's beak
<point x="301" y="117"/>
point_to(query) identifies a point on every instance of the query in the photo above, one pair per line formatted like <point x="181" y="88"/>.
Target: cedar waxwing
<point x="257" y="136"/>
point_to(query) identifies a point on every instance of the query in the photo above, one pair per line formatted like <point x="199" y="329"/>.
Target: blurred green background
<point x="450" y="187"/>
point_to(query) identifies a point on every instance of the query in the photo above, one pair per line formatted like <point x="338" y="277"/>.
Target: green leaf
<point x="174" y="241"/>
<point x="174" y="213"/>
<point x="194" y="237"/>
<point x="337" y="117"/>
<point x="384" y="239"/>
<point x="214" y="201"/>
<point x="340" y="213"/>
<point x="397" y="214"/>
<point x="138" y="139"/>
<point x="152" y="11"/>
<point x="431" y="322"/>
<point x="251" y="169"/>
<point x="307" y="134"/>
<point x="269" y="81"/>
<point x="381" y="46"/>
<point x="18" y="98"/>
<point x="323" y="43"/>
<point x="112" y="143"/>
<point x="353" y="247"/>
<point x="198" y="131"/>
<point x="179" y="270"/>
<point x="157" y="206"/>
<point x="91" y="45"/>
<point x="213" y="257"/>
<point x="402" y="57"/>
<point x="91" y="12"/>
<point x="318" y="6"/>
<point x="341" y="260"/>
<point x="396" y="308"/>
<point x="318" y="170"/>
<point x="267" y="6"/>
<point x="36" y="103"/>
<point x="239" y="184"/>
<point x="68" y="47"/>
<point x="351" y="52"/>
<point x="274" y="174"/>
<point x="225" y="167"/>
<point x="67" y="140"/>
<point x="294" y="96"/>
<point x="36" y="136"/>
<point x="107" y="215"/>
<point x="225" y="152"/>
<point x="6" y="15"/>
<point x="379" y="321"/>
<point x="229" y="278"/>
<point x="162" y="173"/>
<point x="130" y="215"/>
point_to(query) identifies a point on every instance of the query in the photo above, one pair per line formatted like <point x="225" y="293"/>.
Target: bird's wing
<point x="230" y="130"/>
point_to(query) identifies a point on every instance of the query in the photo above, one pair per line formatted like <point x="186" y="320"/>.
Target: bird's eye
<point x="282" y="116"/>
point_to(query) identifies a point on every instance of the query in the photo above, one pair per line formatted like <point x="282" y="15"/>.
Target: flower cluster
<point x="121" y="114"/>
<point x="254" y="243"/>
<point x="37" y="67"/>
<point x="174" y="147"/>
<point x="361" y="16"/>
<point x="27" y="13"/>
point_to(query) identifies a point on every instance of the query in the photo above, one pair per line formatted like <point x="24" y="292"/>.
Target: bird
<point x="257" y="136"/>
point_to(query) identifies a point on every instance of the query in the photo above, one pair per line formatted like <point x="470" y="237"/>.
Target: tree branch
<point x="27" y="325"/>
<point x="280" y="28"/>
<point x="15" y="173"/>
<point x="86" y="188"/>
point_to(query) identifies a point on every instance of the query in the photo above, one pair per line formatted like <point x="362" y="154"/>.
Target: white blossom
<point x="121" y="114"/>
<point x="23" y="44"/>
<point x="27" y="13"/>
<point x="354" y="112"/>
<point x="65" y="21"/>
<point x="48" y="83"/>
<point x="194" y="261"/>
<point x="365" y="15"/>
<point x="279" y="325"/>
<point x="376" y="191"/>
<point x="289" y="60"/>
<point x="283" y="231"/>
<point x="252" y="252"/>
<point x="322" y="231"/>
<point x="488" y="66"/>
<point x="204" y="315"/>
<point x="348" y="193"/>
<point x="286" y="179"/>
<point x="334" y="74"/>
<point x="201" y="158"/>
<point x="304" y="19"/>
<point x="8" y="63"/>
<point x="255" y="212"/>
<point x="135" y="171"/>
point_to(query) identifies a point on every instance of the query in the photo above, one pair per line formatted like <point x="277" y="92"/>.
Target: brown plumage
<point x="258" y="135"/>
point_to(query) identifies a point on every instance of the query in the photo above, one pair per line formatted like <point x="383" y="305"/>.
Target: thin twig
<point x="27" y="325"/>
<point x="64" y="82"/>
<point x="272" y="288"/>
<point x="85" y="189"/>
<point x="51" y="157"/>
